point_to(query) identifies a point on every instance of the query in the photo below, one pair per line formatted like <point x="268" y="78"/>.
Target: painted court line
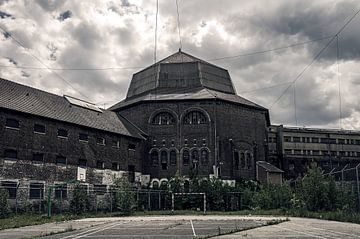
<point x="304" y="233"/>
<point x="329" y="230"/>
<point x="192" y="226"/>
<point x="92" y="231"/>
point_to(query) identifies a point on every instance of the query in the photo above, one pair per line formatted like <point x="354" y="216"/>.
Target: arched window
<point x="248" y="160"/>
<point x="164" y="160"/>
<point x="204" y="157"/>
<point x="242" y="160"/>
<point x="195" y="156"/>
<point x="163" y="118"/>
<point x="236" y="160"/>
<point x="195" y="117"/>
<point x="155" y="184"/>
<point x="186" y="157"/>
<point x="155" y="158"/>
<point x="173" y="157"/>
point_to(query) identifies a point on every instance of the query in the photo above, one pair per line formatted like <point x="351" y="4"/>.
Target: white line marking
<point x="192" y="226"/>
<point x="92" y="231"/>
<point x="304" y="233"/>
<point x="323" y="229"/>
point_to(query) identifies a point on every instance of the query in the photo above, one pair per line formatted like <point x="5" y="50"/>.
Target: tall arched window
<point x="236" y="160"/>
<point x="163" y="118"/>
<point x="204" y="157"/>
<point x="164" y="160"/>
<point x="195" y="156"/>
<point x="195" y="117"/>
<point x="154" y="158"/>
<point x="186" y="157"/>
<point x="242" y="160"/>
<point x="248" y="160"/>
<point x="173" y="157"/>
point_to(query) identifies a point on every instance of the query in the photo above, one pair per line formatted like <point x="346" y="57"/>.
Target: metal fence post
<point x="358" y="185"/>
<point x="149" y="201"/>
<point x="172" y="202"/>
<point x="159" y="200"/>
<point x="204" y="203"/>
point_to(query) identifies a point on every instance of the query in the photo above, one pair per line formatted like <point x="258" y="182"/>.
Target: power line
<point x="339" y="81"/>
<point x="270" y="50"/>
<point x="75" y="69"/>
<point x="41" y="62"/>
<point x="141" y="67"/>
<point x="178" y="23"/>
<point x="316" y="57"/>
<point x="265" y="88"/>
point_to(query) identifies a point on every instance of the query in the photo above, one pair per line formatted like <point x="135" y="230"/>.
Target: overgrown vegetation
<point x="315" y="196"/>
<point x="79" y="202"/>
<point x="124" y="196"/>
<point x="4" y="206"/>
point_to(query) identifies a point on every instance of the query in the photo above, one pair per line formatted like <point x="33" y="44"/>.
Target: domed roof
<point x="182" y="77"/>
<point x="180" y="71"/>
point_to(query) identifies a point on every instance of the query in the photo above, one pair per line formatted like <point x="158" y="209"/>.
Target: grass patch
<point x="22" y="220"/>
<point x="221" y="233"/>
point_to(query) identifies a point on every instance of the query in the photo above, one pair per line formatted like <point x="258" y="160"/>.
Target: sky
<point x="117" y="38"/>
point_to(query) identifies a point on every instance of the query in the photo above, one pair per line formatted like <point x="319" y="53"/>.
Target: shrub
<point x="4" y="206"/>
<point x="79" y="202"/>
<point x="124" y="196"/>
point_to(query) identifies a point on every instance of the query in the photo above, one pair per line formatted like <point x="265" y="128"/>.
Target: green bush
<point x="4" y="206"/>
<point x="79" y="202"/>
<point x="273" y="197"/>
<point x="124" y="196"/>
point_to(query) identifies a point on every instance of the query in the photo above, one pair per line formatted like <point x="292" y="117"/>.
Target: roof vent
<point x="82" y="103"/>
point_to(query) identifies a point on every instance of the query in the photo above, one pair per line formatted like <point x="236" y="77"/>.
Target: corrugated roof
<point x="170" y="94"/>
<point x="269" y="167"/>
<point x="14" y="96"/>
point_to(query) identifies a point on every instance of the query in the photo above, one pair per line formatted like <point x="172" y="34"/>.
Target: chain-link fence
<point x="348" y="180"/>
<point x="57" y="199"/>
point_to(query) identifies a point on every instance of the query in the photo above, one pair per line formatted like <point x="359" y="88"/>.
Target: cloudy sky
<point x="116" y="34"/>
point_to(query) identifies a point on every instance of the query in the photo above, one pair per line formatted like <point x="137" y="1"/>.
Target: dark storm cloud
<point x="316" y="21"/>
<point x="86" y="35"/>
<point x="4" y="15"/>
<point x="65" y="15"/>
<point x="50" y="5"/>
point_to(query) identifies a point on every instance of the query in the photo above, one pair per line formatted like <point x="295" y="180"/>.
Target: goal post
<point x="182" y="194"/>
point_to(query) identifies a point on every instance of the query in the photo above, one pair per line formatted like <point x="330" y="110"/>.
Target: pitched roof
<point x="25" y="99"/>
<point x="200" y="93"/>
<point x="269" y="167"/>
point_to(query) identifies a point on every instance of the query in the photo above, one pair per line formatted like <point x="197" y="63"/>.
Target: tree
<point x="4" y="206"/>
<point x="124" y="196"/>
<point x="79" y="202"/>
<point x="315" y="190"/>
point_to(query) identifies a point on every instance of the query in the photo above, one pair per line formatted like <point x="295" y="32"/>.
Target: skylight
<point x="82" y="103"/>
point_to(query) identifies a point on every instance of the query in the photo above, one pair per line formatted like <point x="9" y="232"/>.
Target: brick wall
<point x="26" y="142"/>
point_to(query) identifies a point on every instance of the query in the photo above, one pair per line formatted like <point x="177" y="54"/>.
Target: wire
<point x="265" y="88"/>
<point x="75" y="69"/>
<point x="270" y="50"/>
<point x="178" y="23"/>
<point x="41" y="62"/>
<point x="142" y="67"/>
<point x="155" y="46"/>
<point x="295" y="113"/>
<point x="316" y="57"/>
<point x="339" y="80"/>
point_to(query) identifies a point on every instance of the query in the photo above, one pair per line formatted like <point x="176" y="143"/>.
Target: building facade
<point x="195" y="122"/>
<point x="294" y="149"/>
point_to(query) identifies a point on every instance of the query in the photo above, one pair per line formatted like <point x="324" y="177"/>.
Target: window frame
<point x="37" y="131"/>
<point x="195" y="117"/>
<point x="157" y="119"/>
<point x="62" y="136"/>
<point x="10" y="126"/>
<point x="7" y="151"/>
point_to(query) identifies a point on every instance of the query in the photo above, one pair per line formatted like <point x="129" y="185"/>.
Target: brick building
<point x="181" y="116"/>
<point x="195" y="121"/>
<point x="48" y="139"/>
